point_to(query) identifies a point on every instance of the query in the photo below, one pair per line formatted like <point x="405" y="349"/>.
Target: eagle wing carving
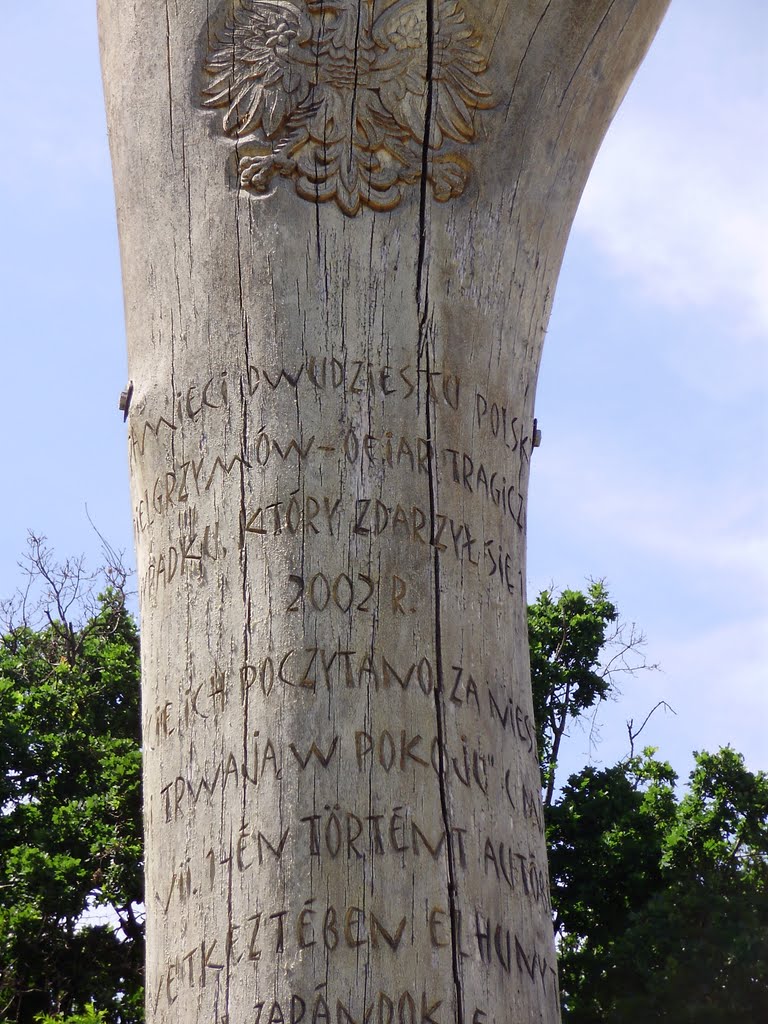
<point x="402" y="31"/>
<point x="261" y="73"/>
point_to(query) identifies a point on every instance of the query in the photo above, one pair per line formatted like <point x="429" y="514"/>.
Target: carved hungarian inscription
<point x="335" y="96"/>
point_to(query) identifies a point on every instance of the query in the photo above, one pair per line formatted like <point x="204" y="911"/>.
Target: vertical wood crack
<point x="425" y="354"/>
<point x="170" y="73"/>
<point x="422" y="282"/>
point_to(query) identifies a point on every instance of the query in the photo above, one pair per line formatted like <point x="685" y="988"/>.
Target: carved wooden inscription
<point x="330" y="438"/>
<point x="335" y="498"/>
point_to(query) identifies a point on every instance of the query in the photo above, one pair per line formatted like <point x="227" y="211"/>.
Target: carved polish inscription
<point x="313" y="673"/>
<point x="344" y="379"/>
<point x="292" y="750"/>
<point x="192" y="478"/>
<point x="336" y="97"/>
<point x="388" y="751"/>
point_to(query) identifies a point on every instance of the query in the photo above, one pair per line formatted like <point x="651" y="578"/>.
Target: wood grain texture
<point x="330" y="441"/>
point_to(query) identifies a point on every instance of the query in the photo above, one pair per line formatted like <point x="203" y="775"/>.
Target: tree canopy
<point x="662" y="904"/>
<point x="70" y="799"/>
<point x="660" y="899"/>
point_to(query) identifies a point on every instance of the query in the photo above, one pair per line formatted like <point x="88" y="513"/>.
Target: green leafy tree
<point x="579" y="650"/>
<point x="606" y="834"/>
<point x="662" y="904"/>
<point x="70" y="797"/>
<point x="660" y="901"/>
<point x="89" y="1016"/>
<point x="697" y="951"/>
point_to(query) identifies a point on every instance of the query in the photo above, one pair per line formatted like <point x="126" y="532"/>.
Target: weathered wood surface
<point x="334" y="335"/>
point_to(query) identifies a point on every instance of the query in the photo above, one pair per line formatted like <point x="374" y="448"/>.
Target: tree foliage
<point x="90" y="1015"/>
<point x="660" y="900"/>
<point x="70" y="797"/>
<point x="662" y="904"/>
<point x="579" y="651"/>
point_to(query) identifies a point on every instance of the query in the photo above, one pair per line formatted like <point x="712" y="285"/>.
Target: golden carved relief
<point x="335" y="96"/>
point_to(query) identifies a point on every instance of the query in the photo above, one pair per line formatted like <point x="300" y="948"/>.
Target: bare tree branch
<point x="634" y="734"/>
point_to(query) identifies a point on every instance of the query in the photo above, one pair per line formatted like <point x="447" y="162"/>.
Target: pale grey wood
<point x="330" y="440"/>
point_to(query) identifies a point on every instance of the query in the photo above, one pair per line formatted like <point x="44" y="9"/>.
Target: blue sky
<point x="653" y="395"/>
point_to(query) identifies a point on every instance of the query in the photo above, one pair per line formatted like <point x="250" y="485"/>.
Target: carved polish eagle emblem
<point x="335" y="95"/>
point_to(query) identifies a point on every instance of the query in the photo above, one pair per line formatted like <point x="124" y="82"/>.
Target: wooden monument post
<point x="341" y="225"/>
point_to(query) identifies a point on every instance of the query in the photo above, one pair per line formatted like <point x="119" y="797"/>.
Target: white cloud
<point x="713" y="680"/>
<point x="677" y="212"/>
<point x="733" y="655"/>
<point x="679" y="207"/>
<point x="706" y="526"/>
<point x="677" y="200"/>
